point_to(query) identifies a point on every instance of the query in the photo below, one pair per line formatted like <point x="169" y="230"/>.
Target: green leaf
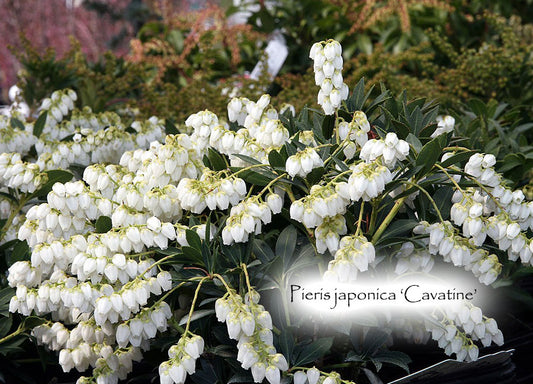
<point x="193" y="239"/>
<point x="256" y="176"/>
<point x="374" y="339"/>
<point x="218" y="162"/>
<point x="414" y="141"/>
<point x="247" y="159"/>
<point x="315" y="175"/>
<point x="276" y="159"/>
<point x="9" y="197"/>
<point x="193" y="254"/>
<point x="12" y="345"/>
<point x="457" y="158"/>
<point x="286" y="244"/>
<point x="397" y="358"/>
<point x="286" y="344"/>
<point x="328" y="125"/>
<point x="443" y="199"/>
<point x="103" y="224"/>
<point x="5" y="297"/>
<point x="512" y="160"/>
<point x="305" y="354"/>
<point x="357" y="100"/>
<point x="39" y="124"/>
<point x="21" y="252"/>
<point x="197" y="315"/>
<point x="54" y="176"/>
<point x="398" y="227"/>
<point x="5" y="326"/>
<point x="16" y="123"/>
<point x="262" y="251"/>
<point x="478" y="107"/>
<point x="428" y="156"/>
<point x="32" y="322"/>
<point x="170" y="127"/>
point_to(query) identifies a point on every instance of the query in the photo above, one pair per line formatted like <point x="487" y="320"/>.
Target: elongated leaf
<point x="286" y="244"/>
<point x="398" y="227"/>
<point x="193" y="239"/>
<point x="262" y="251"/>
<point x="170" y="127"/>
<point x="247" y="159"/>
<point x="9" y="197"/>
<point x="397" y="358"/>
<point x="39" y="124"/>
<point x="197" y="315"/>
<point x="16" y="123"/>
<point x="5" y="326"/>
<point x="217" y="160"/>
<point x="428" y="156"/>
<point x="21" y="252"/>
<point x="286" y="344"/>
<point x="305" y="354"/>
<point x="276" y="159"/>
<point x="457" y="158"/>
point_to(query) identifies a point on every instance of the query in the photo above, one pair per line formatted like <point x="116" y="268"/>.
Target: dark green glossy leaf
<point x="103" y="224"/>
<point x="39" y="124"/>
<point x="306" y="354"/>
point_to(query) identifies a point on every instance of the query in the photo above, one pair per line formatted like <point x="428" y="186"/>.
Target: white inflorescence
<point x="327" y="58"/>
<point x="249" y="324"/>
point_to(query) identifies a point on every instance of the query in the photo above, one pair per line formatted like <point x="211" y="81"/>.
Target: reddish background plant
<point x="50" y="23"/>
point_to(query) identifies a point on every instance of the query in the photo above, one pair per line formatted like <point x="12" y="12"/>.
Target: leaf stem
<point x="194" y="303"/>
<point x="397" y="205"/>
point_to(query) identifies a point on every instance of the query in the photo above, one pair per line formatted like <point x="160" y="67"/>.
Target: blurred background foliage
<point x="186" y="56"/>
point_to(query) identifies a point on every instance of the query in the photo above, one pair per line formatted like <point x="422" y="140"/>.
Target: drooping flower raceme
<point x="303" y="162"/>
<point x="390" y="150"/>
<point x="327" y="58"/>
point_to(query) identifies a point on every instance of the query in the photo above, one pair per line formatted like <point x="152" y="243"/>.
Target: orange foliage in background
<point x="206" y="31"/>
<point x="366" y="13"/>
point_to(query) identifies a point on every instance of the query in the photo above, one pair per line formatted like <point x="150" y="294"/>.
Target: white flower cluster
<point x="112" y="366"/>
<point x="14" y="139"/>
<point x="314" y="376"/>
<point x="389" y="150"/>
<point x="251" y="325"/>
<point x="58" y="105"/>
<point x="182" y="359"/>
<point x="356" y="132"/>
<point x="246" y="218"/>
<point x="496" y="211"/>
<point x="20" y="175"/>
<point x="460" y="327"/>
<point x="303" y="162"/>
<point x="211" y="191"/>
<point x="445" y="124"/>
<point x="323" y="201"/>
<point x="355" y="253"/>
<point x="444" y="240"/>
<point x="327" y="58"/>
<point x="481" y="167"/>
<point x="366" y="182"/>
<point x="142" y="327"/>
<point x="413" y="260"/>
<point x="322" y="209"/>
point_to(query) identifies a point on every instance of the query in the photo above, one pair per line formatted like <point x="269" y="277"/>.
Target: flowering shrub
<point x="239" y="206"/>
